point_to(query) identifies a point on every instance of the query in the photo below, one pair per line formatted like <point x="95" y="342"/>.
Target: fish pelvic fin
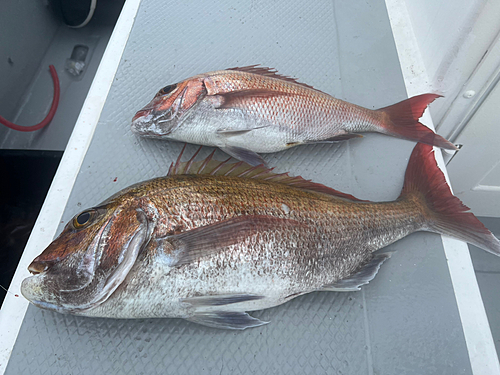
<point x="445" y="213"/>
<point x="248" y="156"/>
<point x="401" y="120"/>
<point x="227" y="320"/>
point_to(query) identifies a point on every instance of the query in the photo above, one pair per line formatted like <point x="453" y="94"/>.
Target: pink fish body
<point x="251" y="110"/>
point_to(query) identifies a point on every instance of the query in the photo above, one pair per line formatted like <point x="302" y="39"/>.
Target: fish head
<point x="85" y="264"/>
<point x="168" y="108"/>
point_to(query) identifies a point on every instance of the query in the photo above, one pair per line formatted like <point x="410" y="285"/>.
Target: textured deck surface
<point x="487" y="270"/>
<point x="404" y="322"/>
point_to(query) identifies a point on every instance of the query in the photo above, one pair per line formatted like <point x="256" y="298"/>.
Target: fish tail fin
<point x="401" y="120"/>
<point x="445" y="213"/>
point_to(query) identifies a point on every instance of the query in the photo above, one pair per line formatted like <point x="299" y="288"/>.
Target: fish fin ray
<point x="220" y="300"/>
<point x="401" y="120"/>
<point x="210" y="239"/>
<point x="233" y="132"/>
<point x="337" y="138"/>
<point x="270" y="72"/>
<point x="226" y="320"/>
<point x="230" y="132"/>
<point x="363" y="276"/>
<point x="209" y="166"/>
<point x="445" y="213"/>
<point x="247" y="156"/>
<point x="341" y="137"/>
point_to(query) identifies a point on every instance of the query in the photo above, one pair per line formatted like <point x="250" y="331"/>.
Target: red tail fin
<point x="401" y="120"/>
<point x="446" y="213"/>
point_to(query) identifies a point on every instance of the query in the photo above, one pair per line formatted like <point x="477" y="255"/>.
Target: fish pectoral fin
<point x="245" y="155"/>
<point x="363" y="276"/>
<point x="220" y="300"/>
<point x="196" y="243"/>
<point x="233" y="132"/>
<point x="226" y="320"/>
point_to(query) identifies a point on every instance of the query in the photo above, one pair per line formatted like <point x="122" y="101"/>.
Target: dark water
<point x="25" y="178"/>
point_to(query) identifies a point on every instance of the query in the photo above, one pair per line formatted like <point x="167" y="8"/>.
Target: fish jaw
<point x="145" y="124"/>
<point x="32" y="288"/>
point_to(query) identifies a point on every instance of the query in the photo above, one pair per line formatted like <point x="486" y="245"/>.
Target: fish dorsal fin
<point x="269" y="72"/>
<point x="242" y="169"/>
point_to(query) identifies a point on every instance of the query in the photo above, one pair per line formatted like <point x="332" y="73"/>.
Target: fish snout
<point x="39" y="266"/>
<point x="141" y="113"/>
<point x="142" y="122"/>
<point x="151" y="123"/>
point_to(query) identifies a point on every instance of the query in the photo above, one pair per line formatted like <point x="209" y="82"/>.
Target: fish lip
<point x="30" y="291"/>
<point x="142" y="113"/>
<point x="142" y="122"/>
<point x="146" y="126"/>
<point x="50" y="306"/>
<point x="30" y="294"/>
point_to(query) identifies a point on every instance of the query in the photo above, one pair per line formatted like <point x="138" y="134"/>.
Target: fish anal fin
<point x="363" y="276"/>
<point x="203" y="241"/>
<point x="226" y="320"/>
<point x="342" y="137"/>
<point x="337" y="138"/>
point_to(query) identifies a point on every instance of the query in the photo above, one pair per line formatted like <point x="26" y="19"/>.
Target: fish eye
<point x="167" y="89"/>
<point x="83" y="219"/>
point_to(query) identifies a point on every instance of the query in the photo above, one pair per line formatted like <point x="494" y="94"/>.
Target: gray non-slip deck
<point x="404" y="322"/>
<point x="487" y="269"/>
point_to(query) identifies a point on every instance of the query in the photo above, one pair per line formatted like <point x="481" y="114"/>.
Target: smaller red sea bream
<point x="214" y="240"/>
<point x="251" y="110"/>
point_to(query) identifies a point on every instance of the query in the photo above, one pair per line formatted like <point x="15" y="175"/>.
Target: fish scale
<point x="250" y="110"/>
<point x="298" y="110"/>
<point x="214" y="240"/>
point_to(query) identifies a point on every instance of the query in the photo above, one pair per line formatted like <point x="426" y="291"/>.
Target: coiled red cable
<point x="50" y="115"/>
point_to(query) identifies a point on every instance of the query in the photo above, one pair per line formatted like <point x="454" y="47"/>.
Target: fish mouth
<point x="143" y="124"/>
<point x="149" y="123"/>
<point x="141" y="113"/>
<point x="32" y="290"/>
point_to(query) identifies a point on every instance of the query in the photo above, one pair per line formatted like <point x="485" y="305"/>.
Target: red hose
<point x="50" y="115"/>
